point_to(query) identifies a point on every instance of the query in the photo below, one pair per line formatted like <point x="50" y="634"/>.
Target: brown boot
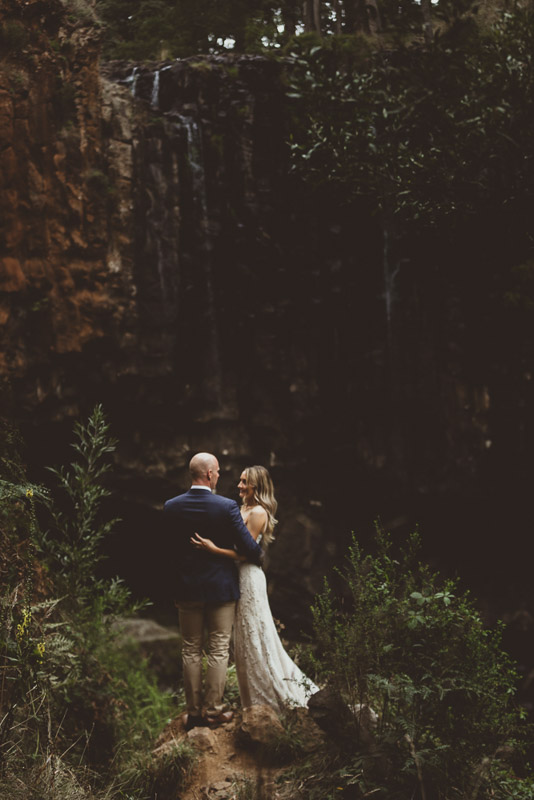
<point x="220" y="719"/>
<point x="190" y="721"/>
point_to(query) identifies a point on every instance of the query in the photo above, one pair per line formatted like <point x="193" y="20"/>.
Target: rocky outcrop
<point x="64" y="289"/>
<point x="261" y="726"/>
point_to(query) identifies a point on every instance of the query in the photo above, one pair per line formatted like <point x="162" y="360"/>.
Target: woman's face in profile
<point x="245" y="491"/>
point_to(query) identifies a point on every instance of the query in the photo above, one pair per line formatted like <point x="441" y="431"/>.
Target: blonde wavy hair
<point x="259" y="479"/>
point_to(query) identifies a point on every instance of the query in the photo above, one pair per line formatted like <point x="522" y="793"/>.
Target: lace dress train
<point x="265" y="673"/>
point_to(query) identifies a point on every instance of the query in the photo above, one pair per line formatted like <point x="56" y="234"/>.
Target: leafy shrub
<point x="72" y="549"/>
<point x="75" y="700"/>
<point x="22" y="690"/>
<point x="413" y="648"/>
<point x="425" y="135"/>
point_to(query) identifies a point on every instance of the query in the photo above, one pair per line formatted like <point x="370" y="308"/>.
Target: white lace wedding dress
<point x="265" y="673"/>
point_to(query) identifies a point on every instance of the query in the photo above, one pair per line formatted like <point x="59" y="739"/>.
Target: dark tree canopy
<point x="154" y="29"/>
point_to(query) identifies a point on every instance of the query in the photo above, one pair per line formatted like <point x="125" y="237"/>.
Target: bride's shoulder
<point x="256" y="520"/>
<point x="258" y="511"/>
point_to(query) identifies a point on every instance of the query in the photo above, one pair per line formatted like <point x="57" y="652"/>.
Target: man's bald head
<point x="204" y="469"/>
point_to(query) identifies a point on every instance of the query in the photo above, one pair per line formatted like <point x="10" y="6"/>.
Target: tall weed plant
<point x="75" y="701"/>
<point x="72" y="548"/>
<point x="400" y="640"/>
<point x="23" y="721"/>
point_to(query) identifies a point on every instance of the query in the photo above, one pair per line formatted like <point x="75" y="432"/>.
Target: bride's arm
<point x="210" y="547"/>
<point x="255" y="523"/>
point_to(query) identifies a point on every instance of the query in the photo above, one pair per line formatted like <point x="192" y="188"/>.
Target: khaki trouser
<point x="218" y="620"/>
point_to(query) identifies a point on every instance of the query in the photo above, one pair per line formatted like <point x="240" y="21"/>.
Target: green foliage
<point x="231" y="689"/>
<point x="425" y="135"/>
<point x="153" y="29"/>
<point x="72" y="549"/>
<point x="147" y="29"/>
<point x="22" y="645"/>
<point x="73" y="695"/>
<point x="11" y="468"/>
<point x="410" y="646"/>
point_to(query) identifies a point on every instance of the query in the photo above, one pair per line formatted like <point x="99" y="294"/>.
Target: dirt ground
<point x="229" y="765"/>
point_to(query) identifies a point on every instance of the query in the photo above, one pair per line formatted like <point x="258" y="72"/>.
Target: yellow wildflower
<point x="22" y="627"/>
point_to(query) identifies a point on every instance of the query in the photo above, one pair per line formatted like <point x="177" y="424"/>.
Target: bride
<point x="266" y="674"/>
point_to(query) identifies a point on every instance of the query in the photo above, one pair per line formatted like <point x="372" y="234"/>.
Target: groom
<point x="207" y="585"/>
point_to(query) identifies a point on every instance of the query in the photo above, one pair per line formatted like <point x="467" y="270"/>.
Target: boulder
<point x="159" y="644"/>
<point x="261" y="725"/>
<point x="328" y="709"/>
<point x="203" y="739"/>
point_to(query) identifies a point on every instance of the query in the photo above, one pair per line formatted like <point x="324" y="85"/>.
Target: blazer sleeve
<point x="245" y="543"/>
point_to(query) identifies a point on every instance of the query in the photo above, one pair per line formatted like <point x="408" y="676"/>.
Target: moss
<point x="13" y="36"/>
<point x="232" y="71"/>
<point x="202" y="66"/>
<point x="98" y="183"/>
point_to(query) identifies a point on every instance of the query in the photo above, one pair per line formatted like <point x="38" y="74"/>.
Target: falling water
<point x="195" y="161"/>
<point x="154" y="100"/>
<point x="159" y="228"/>
<point x="196" y="165"/>
<point x="131" y="80"/>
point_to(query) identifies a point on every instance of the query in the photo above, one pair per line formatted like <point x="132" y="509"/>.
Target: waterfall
<point x="161" y="229"/>
<point x="158" y="222"/>
<point x="131" y="80"/>
<point x="154" y="100"/>
<point x="175" y="254"/>
<point x="203" y="246"/>
<point x="195" y="161"/>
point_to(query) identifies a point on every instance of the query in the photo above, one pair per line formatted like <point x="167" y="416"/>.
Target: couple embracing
<point x="221" y="586"/>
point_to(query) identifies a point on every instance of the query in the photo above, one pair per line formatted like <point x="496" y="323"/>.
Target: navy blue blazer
<point x="200" y="575"/>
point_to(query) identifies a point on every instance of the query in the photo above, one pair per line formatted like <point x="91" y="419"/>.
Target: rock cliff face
<point x="158" y="257"/>
<point x="65" y="210"/>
